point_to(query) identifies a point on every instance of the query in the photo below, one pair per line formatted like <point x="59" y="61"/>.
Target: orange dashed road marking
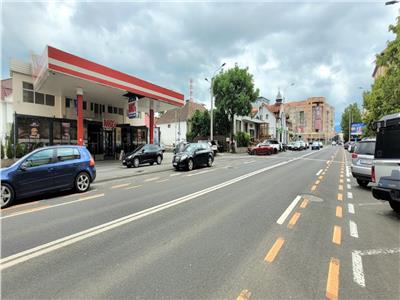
<point x="317" y="182"/>
<point x="340" y="187"/>
<point x="304" y="203"/>
<point x="337" y="235"/>
<point x="340" y="180"/>
<point x="332" y="284"/>
<point x="244" y="295"/>
<point x="339" y="211"/>
<point x="294" y="220"/>
<point x="314" y="187"/>
<point x="320" y="177"/>
<point x="340" y="196"/>
<point x="273" y="252"/>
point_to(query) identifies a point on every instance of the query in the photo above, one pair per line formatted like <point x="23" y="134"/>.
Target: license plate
<point x="365" y="162"/>
<point x="175" y="163"/>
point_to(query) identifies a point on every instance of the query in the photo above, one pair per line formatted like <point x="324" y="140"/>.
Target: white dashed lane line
<point x="351" y="208"/>
<point x="353" y="229"/>
<point x="350" y="195"/>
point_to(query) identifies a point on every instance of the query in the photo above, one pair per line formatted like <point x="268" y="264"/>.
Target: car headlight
<point x="184" y="156"/>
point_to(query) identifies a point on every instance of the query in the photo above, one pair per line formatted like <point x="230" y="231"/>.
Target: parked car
<point x="274" y="144"/>
<point x="386" y="164"/>
<point x="334" y="143"/>
<point x="179" y="147"/>
<point x="302" y="145"/>
<point x="193" y="155"/>
<point x="297" y="146"/>
<point x="47" y="169"/>
<point x="361" y="161"/>
<point x="315" y="146"/>
<point x="352" y="145"/>
<point x="346" y="145"/>
<point x="213" y="144"/>
<point x="290" y="146"/>
<point x="147" y="153"/>
<point x="261" y="149"/>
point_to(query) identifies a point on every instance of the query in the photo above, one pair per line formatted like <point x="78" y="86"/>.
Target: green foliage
<point x="242" y="139"/>
<point x="222" y="124"/>
<point x="9" y="150"/>
<point x="200" y="125"/>
<point x="234" y="93"/>
<point x="21" y="150"/>
<point x="355" y="112"/>
<point x="2" y="151"/>
<point x="384" y="97"/>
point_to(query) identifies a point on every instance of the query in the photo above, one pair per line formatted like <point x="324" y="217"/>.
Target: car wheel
<point x="128" y="165"/>
<point x="7" y="195"/>
<point x="159" y="160"/>
<point x="395" y="206"/>
<point x="362" y="182"/>
<point x="275" y="151"/>
<point x="209" y="162"/>
<point x="82" y="182"/>
<point x="136" y="162"/>
<point x="151" y="163"/>
<point x="190" y="165"/>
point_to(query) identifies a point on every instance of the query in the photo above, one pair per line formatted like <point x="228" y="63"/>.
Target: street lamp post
<point x="392" y="2"/>
<point x="212" y="102"/>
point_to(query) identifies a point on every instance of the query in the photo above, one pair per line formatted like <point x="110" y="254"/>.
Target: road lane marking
<point x="340" y="180"/>
<point x="120" y="185"/>
<point x="358" y="270"/>
<point x="340" y="187"/>
<point x="353" y="229"/>
<point x="26" y="255"/>
<point x="288" y="210"/>
<point x="175" y="174"/>
<point x="151" y="179"/>
<point x="319" y="172"/>
<point x="52" y="206"/>
<point x="341" y="175"/>
<point x="74" y="194"/>
<point x="244" y="295"/>
<point x="351" y="208"/>
<point x="201" y="172"/>
<point x="304" y="203"/>
<point x="133" y="187"/>
<point x="313" y="188"/>
<point x="332" y="284"/>
<point x="348" y="186"/>
<point x="339" y="211"/>
<point x="248" y="162"/>
<point x="19" y="206"/>
<point x="294" y="220"/>
<point x="340" y="196"/>
<point x="317" y="182"/>
<point x="273" y="252"/>
<point x="337" y="235"/>
<point x="372" y="203"/>
<point x="162" y="180"/>
<point x="320" y="177"/>
<point x="348" y="179"/>
<point x="350" y="195"/>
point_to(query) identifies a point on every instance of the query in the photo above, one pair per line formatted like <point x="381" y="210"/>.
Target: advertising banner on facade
<point x="132" y="109"/>
<point x="317" y="117"/>
<point x="109" y="124"/>
<point x="357" y="128"/>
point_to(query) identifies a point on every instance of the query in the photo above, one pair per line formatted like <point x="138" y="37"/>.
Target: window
<point x="84" y="105"/>
<point x="40" y="158"/>
<point x="120" y="111"/>
<point x="39" y="98"/>
<point x="386" y="143"/>
<point x="115" y="110"/>
<point x="110" y="109"/>
<point x="67" y="153"/>
<point x="103" y="108"/>
<point x="50" y="100"/>
<point x="91" y="106"/>
<point x="169" y="125"/>
<point x="27" y="90"/>
<point x="96" y="108"/>
<point x="67" y="102"/>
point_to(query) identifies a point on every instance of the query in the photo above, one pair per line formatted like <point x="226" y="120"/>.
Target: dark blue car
<point x="47" y="169"/>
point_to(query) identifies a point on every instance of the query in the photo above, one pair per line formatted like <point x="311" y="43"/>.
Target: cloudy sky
<point x="326" y="48"/>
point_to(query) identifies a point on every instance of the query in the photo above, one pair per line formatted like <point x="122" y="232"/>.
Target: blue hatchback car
<point x="47" y="169"/>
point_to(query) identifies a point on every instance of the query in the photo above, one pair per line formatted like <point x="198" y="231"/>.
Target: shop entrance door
<point x="109" y="143"/>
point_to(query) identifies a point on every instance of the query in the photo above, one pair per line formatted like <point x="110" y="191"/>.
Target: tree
<point x="222" y="124"/>
<point x="234" y="93"/>
<point x="355" y="113"/>
<point x="384" y="97"/>
<point x="200" y="125"/>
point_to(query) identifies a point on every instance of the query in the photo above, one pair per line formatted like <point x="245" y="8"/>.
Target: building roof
<point x="274" y="108"/>
<point x="6" y="88"/>
<point x="184" y="113"/>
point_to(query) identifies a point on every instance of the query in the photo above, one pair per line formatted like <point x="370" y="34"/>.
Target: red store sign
<point x="109" y="124"/>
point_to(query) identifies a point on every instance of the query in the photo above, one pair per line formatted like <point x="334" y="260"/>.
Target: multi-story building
<point x="312" y="119"/>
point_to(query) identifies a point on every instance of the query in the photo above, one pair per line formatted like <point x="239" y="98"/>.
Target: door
<point x="109" y="143"/>
<point x="36" y="173"/>
<point x="66" y="167"/>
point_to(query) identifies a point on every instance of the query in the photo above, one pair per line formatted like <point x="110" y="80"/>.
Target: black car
<point x="193" y="155"/>
<point x="144" y="154"/>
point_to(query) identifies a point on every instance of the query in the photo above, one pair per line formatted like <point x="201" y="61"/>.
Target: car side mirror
<point x="142" y="150"/>
<point x="24" y="165"/>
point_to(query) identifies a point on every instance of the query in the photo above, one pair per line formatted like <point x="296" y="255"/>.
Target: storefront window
<point x="39" y="98"/>
<point x="33" y="132"/>
<point x="27" y="96"/>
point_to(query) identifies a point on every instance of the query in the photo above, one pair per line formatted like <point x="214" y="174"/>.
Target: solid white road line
<point x="358" y="270"/>
<point x="351" y="208"/>
<point x="319" y="172"/>
<point x="26" y="255"/>
<point x="353" y="229"/>
<point x="288" y="210"/>
<point x="348" y="179"/>
<point x="201" y="172"/>
<point x="349" y="186"/>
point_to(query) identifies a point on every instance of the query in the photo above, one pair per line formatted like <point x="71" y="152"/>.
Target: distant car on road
<point x="261" y="149"/>
<point x="147" y="153"/>
<point x="334" y="143"/>
<point x="274" y="144"/>
<point x="47" y="169"/>
<point x="386" y="164"/>
<point x="361" y="161"/>
<point x="352" y="145"/>
<point x="315" y="146"/>
<point x="192" y="156"/>
<point x="297" y="146"/>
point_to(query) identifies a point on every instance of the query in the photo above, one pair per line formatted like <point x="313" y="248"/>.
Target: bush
<point x="9" y="150"/>
<point x="2" y="151"/>
<point x="242" y="139"/>
<point x="21" y="150"/>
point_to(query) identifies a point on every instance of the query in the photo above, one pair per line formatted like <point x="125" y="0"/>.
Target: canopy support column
<point x="80" y="129"/>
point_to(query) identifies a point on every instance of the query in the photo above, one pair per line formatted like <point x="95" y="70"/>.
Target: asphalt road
<point x="249" y="227"/>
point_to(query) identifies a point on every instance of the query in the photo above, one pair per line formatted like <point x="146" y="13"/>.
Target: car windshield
<point x="190" y="148"/>
<point x="367" y="148"/>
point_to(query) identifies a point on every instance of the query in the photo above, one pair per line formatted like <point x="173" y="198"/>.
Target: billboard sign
<point x="132" y="108"/>
<point x="357" y="128"/>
